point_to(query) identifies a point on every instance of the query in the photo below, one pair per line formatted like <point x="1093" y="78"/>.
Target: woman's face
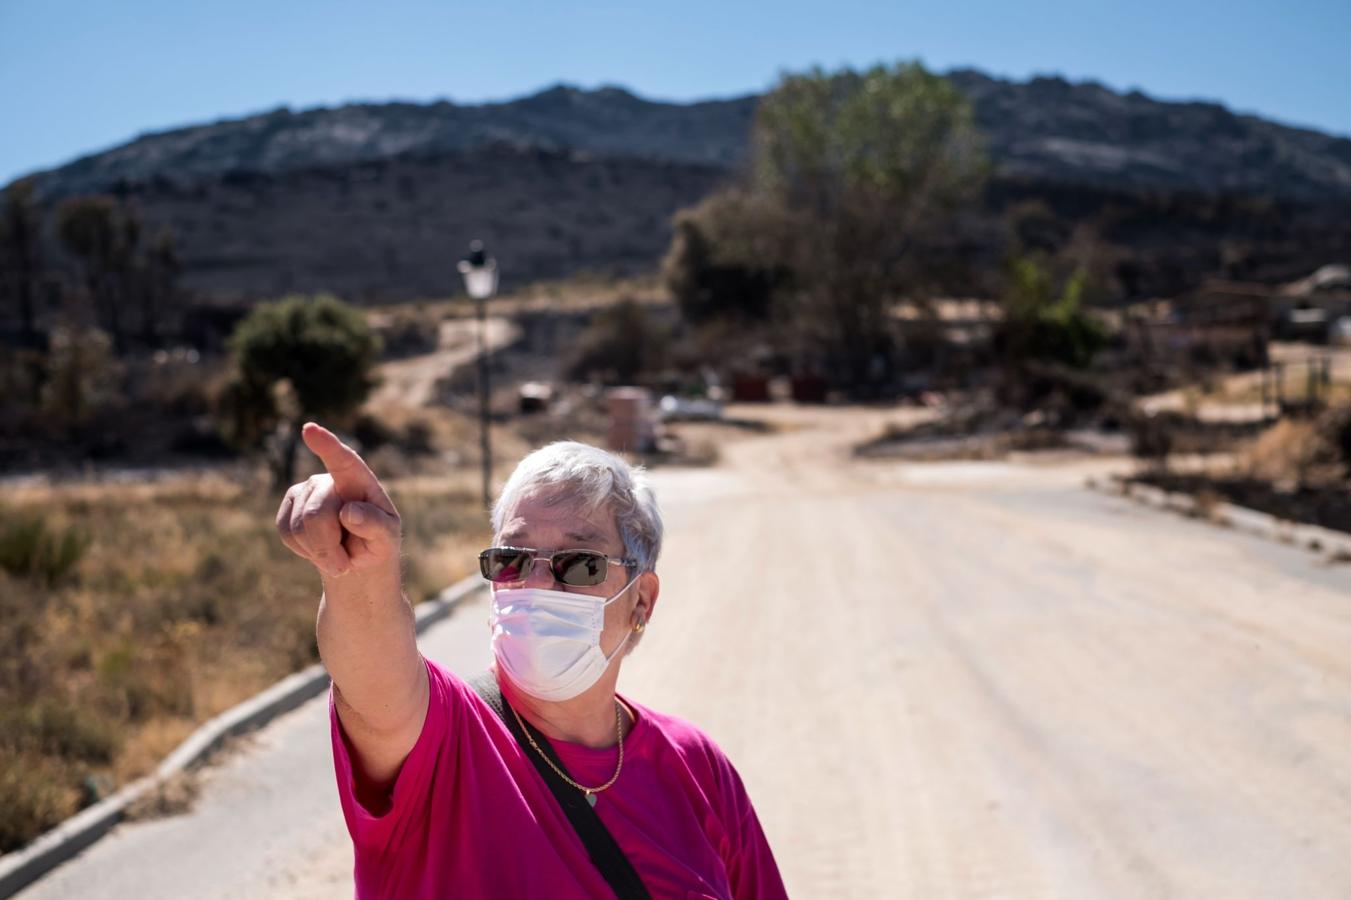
<point x="534" y="521"/>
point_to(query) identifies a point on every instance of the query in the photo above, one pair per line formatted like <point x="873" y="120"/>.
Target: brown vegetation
<point x="132" y="613"/>
<point x="1303" y="453"/>
<point x="1296" y="469"/>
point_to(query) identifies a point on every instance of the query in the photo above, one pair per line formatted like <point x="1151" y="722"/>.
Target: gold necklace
<point x="589" y="792"/>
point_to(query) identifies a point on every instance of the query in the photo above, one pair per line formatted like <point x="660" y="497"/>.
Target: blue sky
<point x="82" y="75"/>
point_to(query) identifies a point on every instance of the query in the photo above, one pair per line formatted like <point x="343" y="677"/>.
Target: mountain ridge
<point x="1045" y="127"/>
<point x="374" y="200"/>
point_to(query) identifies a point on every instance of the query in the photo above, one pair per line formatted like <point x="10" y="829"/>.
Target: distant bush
<point x="1303" y="453"/>
<point x="409" y="334"/>
<point x="1334" y="429"/>
<point x="1066" y="397"/>
<point x="316" y="351"/>
<point x="1046" y="323"/>
<point x="621" y="343"/>
<point x="30" y="548"/>
<point x="62" y="729"/>
<point x="1154" y="437"/>
<point x="719" y="264"/>
<point x="82" y="377"/>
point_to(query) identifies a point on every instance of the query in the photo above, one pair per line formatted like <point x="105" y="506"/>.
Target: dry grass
<point x="1245" y="389"/>
<point x="183" y="604"/>
<point x="173" y="796"/>
<point x="1206" y="505"/>
<point x="1292" y="452"/>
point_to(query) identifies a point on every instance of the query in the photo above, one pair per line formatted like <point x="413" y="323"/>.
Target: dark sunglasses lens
<point x="580" y="567"/>
<point x="498" y="564"/>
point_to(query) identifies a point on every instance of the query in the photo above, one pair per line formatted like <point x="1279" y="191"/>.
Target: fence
<point x="1299" y="387"/>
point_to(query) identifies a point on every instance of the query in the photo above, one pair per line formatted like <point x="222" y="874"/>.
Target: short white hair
<point x="574" y="472"/>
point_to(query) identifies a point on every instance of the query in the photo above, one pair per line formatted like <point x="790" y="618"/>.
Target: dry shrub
<point x="172" y="796"/>
<point x="444" y="528"/>
<point x="1292" y="453"/>
<point x="396" y="441"/>
<point x="30" y="547"/>
<point x="184" y="603"/>
<point x="408" y="331"/>
<point x="58" y="728"/>
<point x="35" y="793"/>
<point x="176" y="382"/>
<point x="620" y="344"/>
<point x="1206" y="504"/>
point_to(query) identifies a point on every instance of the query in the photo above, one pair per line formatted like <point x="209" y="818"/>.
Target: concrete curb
<point x="22" y="867"/>
<point x="1335" y="544"/>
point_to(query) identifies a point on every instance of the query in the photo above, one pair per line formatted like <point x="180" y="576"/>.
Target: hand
<point x="342" y="520"/>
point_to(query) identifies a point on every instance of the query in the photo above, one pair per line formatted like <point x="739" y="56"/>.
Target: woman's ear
<point x="649" y="586"/>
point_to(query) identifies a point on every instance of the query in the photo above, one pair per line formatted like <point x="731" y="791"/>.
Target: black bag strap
<point x="600" y="845"/>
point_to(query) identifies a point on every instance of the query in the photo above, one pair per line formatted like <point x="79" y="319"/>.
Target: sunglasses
<point x="578" y="568"/>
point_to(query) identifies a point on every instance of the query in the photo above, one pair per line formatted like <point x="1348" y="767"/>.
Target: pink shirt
<point x="471" y="817"/>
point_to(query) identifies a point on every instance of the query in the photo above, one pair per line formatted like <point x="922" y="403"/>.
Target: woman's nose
<point x="541" y="574"/>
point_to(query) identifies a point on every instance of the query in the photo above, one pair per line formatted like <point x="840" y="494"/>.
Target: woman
<point x="540" y="780"/>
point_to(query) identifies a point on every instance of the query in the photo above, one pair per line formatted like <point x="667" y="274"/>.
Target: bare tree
<point x="159" y="284"/>
<point x="121" y="275"/>
<point x="90" y="229"/>
<point x="21" y="255"/>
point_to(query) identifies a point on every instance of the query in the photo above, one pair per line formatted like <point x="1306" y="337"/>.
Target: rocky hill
<point x="1047" y="128"/>
<point x="609" y="123"/>
<point x="376" y="200"/>
<point x="1051" y="129"/>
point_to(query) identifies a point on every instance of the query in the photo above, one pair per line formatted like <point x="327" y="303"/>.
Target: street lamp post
<point x="480" y="280"/>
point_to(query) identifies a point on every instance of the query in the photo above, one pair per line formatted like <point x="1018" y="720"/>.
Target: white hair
<point x="574" y="472"/>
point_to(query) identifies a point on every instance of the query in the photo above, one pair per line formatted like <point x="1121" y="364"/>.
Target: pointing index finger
<point x="352" y="478"/>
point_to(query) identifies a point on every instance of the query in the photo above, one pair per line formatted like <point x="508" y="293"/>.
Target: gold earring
<point x="640" y="626"/>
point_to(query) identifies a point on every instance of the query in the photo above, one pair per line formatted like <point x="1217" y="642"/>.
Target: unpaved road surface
<point x="412" y="382"/>
<point x="938" y="680"/>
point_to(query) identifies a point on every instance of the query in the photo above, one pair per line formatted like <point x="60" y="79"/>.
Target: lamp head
<point x="479" y="271"/>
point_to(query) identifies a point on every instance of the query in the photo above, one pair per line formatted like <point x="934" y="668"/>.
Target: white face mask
<point x="549" y="641"/>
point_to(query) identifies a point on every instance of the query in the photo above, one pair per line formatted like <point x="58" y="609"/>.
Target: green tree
<point x="868" y="163"/>
<point x="858" y="168"/>
<point x="21" y="255"/>
<point x="297" y="359"/>
<point x="1044" y="321"/>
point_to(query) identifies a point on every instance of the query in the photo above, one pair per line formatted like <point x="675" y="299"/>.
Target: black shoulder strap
<point x="600" y="844"/>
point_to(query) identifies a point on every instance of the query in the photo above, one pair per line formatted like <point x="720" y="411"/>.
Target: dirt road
<point x="411" y="382"/>
<point x="940" y="680"/>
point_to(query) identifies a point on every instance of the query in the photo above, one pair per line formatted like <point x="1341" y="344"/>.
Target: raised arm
<point x="345" y="524"/>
